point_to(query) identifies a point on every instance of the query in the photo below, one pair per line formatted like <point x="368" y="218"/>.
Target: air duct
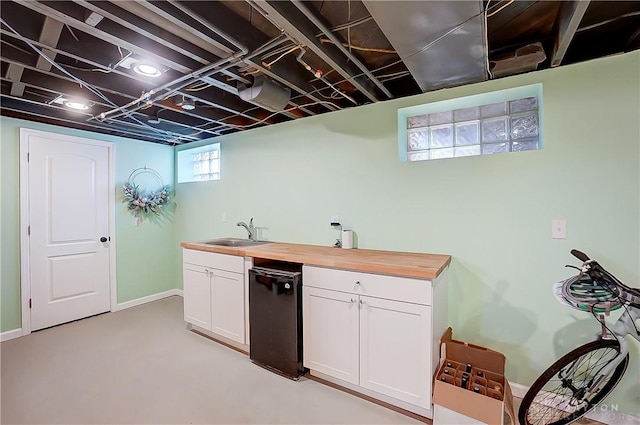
<point x="524" y="59"/>
<point x="266" y="93"/>
<point x="440" y="42"/>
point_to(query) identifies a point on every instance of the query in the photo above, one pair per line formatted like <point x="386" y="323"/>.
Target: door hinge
<point x="29" y="302"/>
<point x="28" y="156"/>
<point x="29" y="230"/>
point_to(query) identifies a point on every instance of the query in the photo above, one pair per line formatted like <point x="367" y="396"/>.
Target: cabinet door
<point x="395" y="346"/>
<point x="227" y="305"/>
<point x="197" y="296"/>
<point x="330" y="336"/>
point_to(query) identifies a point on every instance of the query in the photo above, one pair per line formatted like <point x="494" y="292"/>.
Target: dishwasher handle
<point x="279" y="283"/>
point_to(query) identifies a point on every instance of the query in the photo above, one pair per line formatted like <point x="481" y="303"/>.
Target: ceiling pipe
<point x="273" y="13"/>
<point x="145" y="134"/>
<point x="194" y="76"/>
<point x="72" y="22"/>
<point x="321" y="77"/>
<point x="338" y="43"/>
<point x="175" y="26"/>
<point x="239" y="46"/>
<point x="185" y="80"/>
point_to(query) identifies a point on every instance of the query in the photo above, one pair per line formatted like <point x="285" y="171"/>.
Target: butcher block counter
<point x="404" y="264"/>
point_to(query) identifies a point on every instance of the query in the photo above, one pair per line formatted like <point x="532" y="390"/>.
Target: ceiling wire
<point x="364" y="49"/>
<point x="71" y="32"/>
<point x="244" y="127"/>
<point x="348" y="25"/>
<point x="597" y="24"/>
<point x="268" y="65"/>
<point x="81" y="82"/>
<point x="17" y="47"/>
<point x="348" y="28"/>
<point x="499" y="9"/>
<point x="198" y="88"/>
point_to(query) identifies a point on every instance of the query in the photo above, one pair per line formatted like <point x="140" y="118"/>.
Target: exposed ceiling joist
<point x="569" y="17"/>
<point x="220" y="55"/>
<point x="294" y="23"/>
<point x="49" y="36"/>
<point x="161" y="59"/>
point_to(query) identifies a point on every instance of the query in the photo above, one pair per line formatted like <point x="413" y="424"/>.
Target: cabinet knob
<point x="357" y="282"/>
<point x="353" y="300"/>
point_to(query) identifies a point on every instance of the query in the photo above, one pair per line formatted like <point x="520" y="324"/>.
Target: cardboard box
<point x="451" y="400"/>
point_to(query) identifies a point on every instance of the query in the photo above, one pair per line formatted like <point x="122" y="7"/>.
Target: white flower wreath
<point x="145" y="203"/>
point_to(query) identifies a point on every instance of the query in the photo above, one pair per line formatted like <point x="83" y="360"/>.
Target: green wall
<point x="145" y="255"/>
<point x="491" y="213"/>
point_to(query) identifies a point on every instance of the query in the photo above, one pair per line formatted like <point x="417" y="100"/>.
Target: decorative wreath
<point x="142" y="202"/>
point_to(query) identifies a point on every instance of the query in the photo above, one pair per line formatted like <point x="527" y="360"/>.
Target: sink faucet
<point x="250" y="229"/>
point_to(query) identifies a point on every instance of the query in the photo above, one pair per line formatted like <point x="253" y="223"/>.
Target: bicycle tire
<point x="543" y="403"/>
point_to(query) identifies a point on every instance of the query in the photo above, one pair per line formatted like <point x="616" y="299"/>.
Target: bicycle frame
<point x="624" y="326"/>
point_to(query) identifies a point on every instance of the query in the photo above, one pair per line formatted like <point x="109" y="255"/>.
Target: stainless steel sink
<point x="233" y="242"/>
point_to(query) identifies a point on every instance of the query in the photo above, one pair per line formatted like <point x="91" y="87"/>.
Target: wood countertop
<point x="405" y="264"/>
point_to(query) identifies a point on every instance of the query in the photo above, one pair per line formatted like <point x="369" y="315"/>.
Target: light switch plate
<point x="559" y="229"/>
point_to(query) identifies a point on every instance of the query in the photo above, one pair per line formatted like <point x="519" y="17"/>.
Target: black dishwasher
<point x="275" y="317"/>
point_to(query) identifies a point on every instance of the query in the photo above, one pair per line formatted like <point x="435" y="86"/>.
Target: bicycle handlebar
<point x="597" y="273"/>
<point x="580" y="255"/>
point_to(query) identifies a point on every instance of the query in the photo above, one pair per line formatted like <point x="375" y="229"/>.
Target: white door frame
<point x="25" y="277"/>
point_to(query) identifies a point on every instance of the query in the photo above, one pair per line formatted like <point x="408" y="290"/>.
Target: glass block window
<point x="497" y="122"/>
<point x="199" y="164"/>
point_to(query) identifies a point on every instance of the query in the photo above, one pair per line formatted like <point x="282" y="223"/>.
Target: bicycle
<point x="577" y="382"/>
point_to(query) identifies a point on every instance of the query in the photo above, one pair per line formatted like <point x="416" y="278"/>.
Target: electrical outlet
<point x="559" y="229"/>
<point x="223" y="217"/>
<point x="335" y="219"/>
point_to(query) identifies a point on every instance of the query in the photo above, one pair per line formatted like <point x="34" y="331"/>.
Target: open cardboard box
<point x="452" y="398"/>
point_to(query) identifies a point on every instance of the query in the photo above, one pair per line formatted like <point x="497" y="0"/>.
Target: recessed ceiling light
<point x="72" y="103"/>
<point x="147" y="69"/>
<point x="76" y="104"/>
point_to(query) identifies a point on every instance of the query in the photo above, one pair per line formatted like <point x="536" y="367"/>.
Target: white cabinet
<point x="227" y="304"/>
<point x="394" y="349"/>
<point x="197" y="295"/>
<point x="330" y="332"/>
<point x="373" y="332"/>
<point x="214" y="293"/>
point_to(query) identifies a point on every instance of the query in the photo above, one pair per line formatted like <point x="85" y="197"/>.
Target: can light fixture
<point x="147" y="70"/>
<point x="74" y="103"/>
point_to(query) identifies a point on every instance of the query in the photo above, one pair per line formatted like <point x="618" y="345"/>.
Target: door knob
<point x="103" y="239"/>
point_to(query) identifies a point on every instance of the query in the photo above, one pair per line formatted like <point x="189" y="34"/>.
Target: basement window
<point x="199" y="164"/>
<point x="484" y="124"/>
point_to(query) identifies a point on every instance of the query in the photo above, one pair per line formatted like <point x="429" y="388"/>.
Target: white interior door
<point x="68" y="213"/>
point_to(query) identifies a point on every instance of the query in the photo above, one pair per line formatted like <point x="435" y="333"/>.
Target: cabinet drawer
<point x="232" y="263"/>
<point x="374" y="285"/>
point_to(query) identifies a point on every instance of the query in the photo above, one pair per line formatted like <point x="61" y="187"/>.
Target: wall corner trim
<point x="147" y="299"/>
<point x="14" y="333"/>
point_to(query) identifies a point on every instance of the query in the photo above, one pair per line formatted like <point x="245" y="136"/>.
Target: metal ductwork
<point x="442" y="43"/>
<point x="523" y="59"/>
<point x="266" y="93"/>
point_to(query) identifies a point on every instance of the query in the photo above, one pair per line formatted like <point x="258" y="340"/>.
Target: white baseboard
<point x="6" y="336"/>
<point x="148" y="299"/>
<point x="606" y="413"/>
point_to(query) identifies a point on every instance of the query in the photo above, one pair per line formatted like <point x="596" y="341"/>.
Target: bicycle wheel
<point x="559" y="396"/>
